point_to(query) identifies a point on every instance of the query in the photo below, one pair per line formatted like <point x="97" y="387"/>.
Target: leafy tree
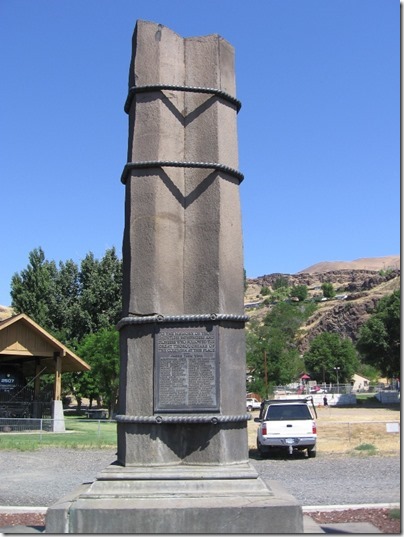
<point x="33" y="290"/>
<point x="70" y="302"/>
<point x="289" y="317"/>
<point x="328" y="290"/>
<point x="369" y="372"/>
<point x="299" y="291"/>
<point x="379" y="337"/>
<point x="272" y="354"/>
<point x="101" y="351"/>
<point x="66" y="313"/>
<point x="328" y="351"/>
<point x="270" y="359"/>
<point x="256" y="348"/>
<point x="265" y="290"/>
<point x="81" y="384"/>
<point x="100" y="291"/>
<point x="281" y="281"/>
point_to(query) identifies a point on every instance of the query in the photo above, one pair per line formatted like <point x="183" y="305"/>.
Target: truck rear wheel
<point x="263" y="452"/>
<point x="311" y="452"/>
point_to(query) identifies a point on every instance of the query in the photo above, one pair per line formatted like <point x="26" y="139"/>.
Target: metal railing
<point x="329" y="388"/>
<point x="79" y="431"/>
<point x="22" y="425"/>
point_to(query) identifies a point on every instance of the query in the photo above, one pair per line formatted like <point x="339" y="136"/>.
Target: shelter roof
<point x="24" y="343"/>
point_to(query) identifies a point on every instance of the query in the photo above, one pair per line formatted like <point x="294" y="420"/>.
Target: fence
<point x="22" y="425"/>
<point x="79" y="432"/>
<point x="363" y="436"/>
<point x="343" y="389"/>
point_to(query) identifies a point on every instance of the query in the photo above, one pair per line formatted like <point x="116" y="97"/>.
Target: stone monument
<point x="182" y="463"/>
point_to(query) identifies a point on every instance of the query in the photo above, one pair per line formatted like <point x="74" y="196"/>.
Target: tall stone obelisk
<point x="182" y="425"/>
<point x="182" y="336"/>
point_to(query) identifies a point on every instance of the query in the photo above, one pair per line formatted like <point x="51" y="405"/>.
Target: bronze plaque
<point x="186" y="372"/>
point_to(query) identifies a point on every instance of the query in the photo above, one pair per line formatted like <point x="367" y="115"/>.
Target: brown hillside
<point x="357" y="293"/>
<point x="365" y="263"/>
<point x="5" y="312"/>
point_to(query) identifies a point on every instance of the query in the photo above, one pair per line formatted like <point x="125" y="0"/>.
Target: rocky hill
<point x="357" y="292"/>
<point x="5" y="312"/>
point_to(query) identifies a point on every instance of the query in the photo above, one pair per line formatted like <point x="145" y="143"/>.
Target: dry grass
<point x="343" y="430"/>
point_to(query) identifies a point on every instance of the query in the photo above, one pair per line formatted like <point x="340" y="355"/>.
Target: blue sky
<point x="319" y="129"/>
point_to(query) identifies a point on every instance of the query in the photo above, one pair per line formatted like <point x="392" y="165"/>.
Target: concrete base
<point x="58" y="417"/>
<point x="194" y="499"/>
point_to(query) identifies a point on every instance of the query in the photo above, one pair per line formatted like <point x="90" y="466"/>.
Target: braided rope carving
<point x="172" y="87"/>
<point x="123" y="418"/>
<point x="145" y="319"/>
<point x="179" y="164"/>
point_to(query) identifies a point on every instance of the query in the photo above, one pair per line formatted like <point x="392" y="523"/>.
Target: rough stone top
<point x="161" y="27"/>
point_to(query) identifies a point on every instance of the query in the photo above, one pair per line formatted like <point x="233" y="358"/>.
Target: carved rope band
<point x="172" y="87"/>
<point x="123" y="418"/>
<point x="146" y="319"/>
<point x="178" y="164"/>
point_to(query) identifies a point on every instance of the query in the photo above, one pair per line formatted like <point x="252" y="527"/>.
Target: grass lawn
<point x="80" y="433"/>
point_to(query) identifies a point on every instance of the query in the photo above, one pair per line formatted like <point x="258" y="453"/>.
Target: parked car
<point x="317" y="389"/>
<point x="252" y="404"/>
<point x="288" y="425"/>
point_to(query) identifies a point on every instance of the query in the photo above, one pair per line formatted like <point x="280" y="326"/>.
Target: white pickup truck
<point x="252" y="404"/>
<point x="287" y="424"/>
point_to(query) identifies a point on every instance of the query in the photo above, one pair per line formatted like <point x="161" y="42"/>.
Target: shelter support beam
<point x="58" y="377"/>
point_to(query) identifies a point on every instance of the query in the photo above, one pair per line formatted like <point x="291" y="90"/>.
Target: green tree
<point x="70" y="301"/>
<point x="328" y="290"/>
<point x="370" y="372"/>
<point x="379" y="336"/>
<point x="100" y="292"/>
<point x="66" y="315"/>
<point x="101" y="351"/>
<point x="328" y="351"/>
<point x="289" y="317"/>
<point x="81" y="384"/>
<point x="33" y="291"/>
<point x="299" y="291"/>
<point x="265" y="290"/>
<point x="280" y="281"/>
<point x="272" y="354"/>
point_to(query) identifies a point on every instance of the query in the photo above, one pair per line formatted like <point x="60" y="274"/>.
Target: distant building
<point x="360" y="383"/>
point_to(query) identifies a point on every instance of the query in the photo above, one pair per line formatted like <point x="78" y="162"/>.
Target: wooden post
<point x="37" y="381"/>
<point x="58" y="376"/>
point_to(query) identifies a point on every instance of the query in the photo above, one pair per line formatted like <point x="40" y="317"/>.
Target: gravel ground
<point x="40" y="478"/>
<point x="336" y="480"/>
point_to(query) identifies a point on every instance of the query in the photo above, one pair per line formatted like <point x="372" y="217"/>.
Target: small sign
<point x="392" y="427"/>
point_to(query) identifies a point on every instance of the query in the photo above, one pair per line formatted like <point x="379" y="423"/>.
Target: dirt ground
<point x="380" y="518"/>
